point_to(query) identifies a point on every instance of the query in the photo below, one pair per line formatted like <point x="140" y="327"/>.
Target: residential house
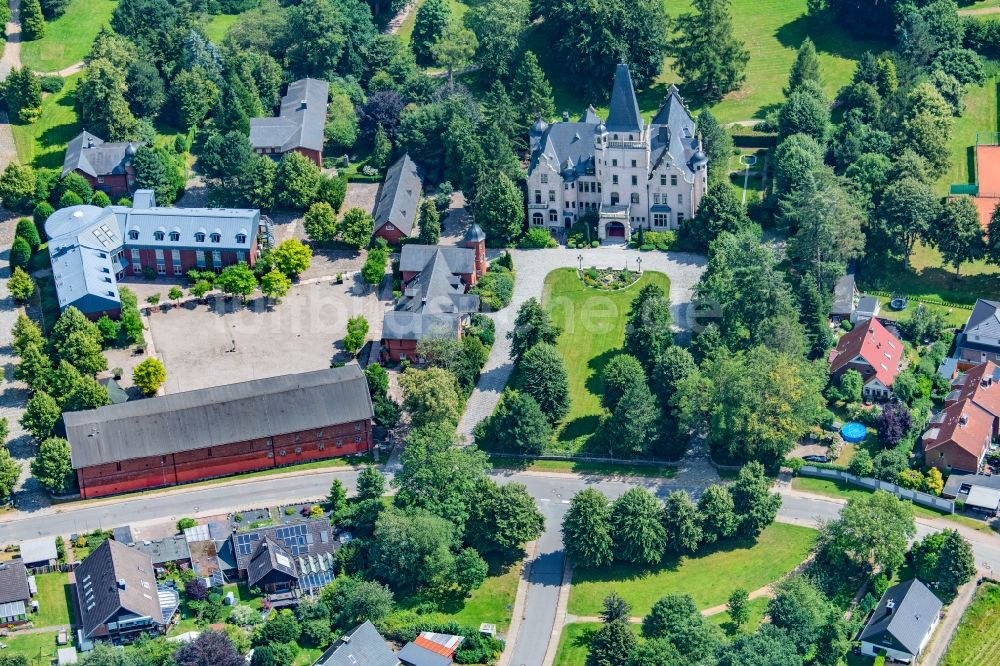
<point x="868" y="307"/>
<point x="430" y="649"/>
<point x="168" y="550"/>
<point x="902" y="623"/>
<point x="980" y="339"/>
<point x="299" y="125"/>
<point x="845" y="297"/>
<point x="361" y="646"/>
<point x="15" y="593"/>
<point x="221" y="430"/>
<point x="92" y="248"/>
<point x="117" y="596"/>
<point x="397" y="202"/>
<point x="296" y="557"/>
<point x="434" y="302"/>
<point x="107" y="166"/>
<point x="874" y="352"/>
<point x="40" y="552"/>
<point x="959" y="436"/>
<point x="633" y="174"/>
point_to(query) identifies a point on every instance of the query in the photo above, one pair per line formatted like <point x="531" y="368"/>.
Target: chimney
<point x="890" y="606"/>
<point x="303" y="104"/>
<point x="963" y="419"/>
<point x="121" y="583"/>
<point x="565" y="116"/>
<point x="90" y="142"/>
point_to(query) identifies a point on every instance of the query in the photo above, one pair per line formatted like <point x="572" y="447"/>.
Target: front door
<point x="616" y="230"/>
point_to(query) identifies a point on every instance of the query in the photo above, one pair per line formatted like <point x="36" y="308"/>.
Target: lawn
<point x="491" y="603"/>
<point x="979" y="116"/>
<point x="38" y="648"/>
<point x="458" y="10"/>
<point x="54" y="600"/>
<point x="43" y="143"/>
<point x="574" y="642"/>
<point x="583" y="467"/>
<point x="216" y="26"/>
<point x="758" y="609"/>
<point x="772" y="31"/>
<point x="953" y="317"/>
<point x="709" y="577"/>
<point x="977" y="640"/>
<point x="593" y="328"/>
<point x="68" y="38"/>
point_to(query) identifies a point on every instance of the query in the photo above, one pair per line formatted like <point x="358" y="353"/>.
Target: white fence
<point x="915" y="496"/>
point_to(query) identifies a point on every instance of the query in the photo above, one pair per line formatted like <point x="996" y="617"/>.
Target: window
<point x="552" y="195"/>
<point x="298" y="449"/>
<point x="210" y="452"/>
<point x="216" y="259"/>
<point x="635" y="197"/>
<point x="545" y="178"/>
<point x="635" y="180"/>
<point x="673" y="181"/>
<point x="158" y="235"/>
<point x="615" y="137"/>
<point x="160" y="266"/>
<point x="680" y="217"/>
<point x="538" y="196"/>
<point x="656" y="198"/>
<point x="357" y="439"/>
<point x="553" y="216"/>
<point x="241" y="256"/>
<point x="661" y="219"/>
<point x="118" y="466"/>
<point x="175" y="236"/>
<point x="537" y="218"/>
<point x="133" y="235"/>
<point x="216" y="238"/>
<point x="100" y="179"/>
<point x="614" y="179"/>
<point x="282" y="452"/>
<point x="199" y="258"/>
<point x="598" y="187"/>
<point x="241" y="238"/>
<point x="614" y="162"/>
<point x="176" y="261"/>
<point x="680" y="198"/>
<point x="663" y="179"/>
<point x="199" y="237"/>
<point x="633" y="164"/>
<point x="322" y="446"/>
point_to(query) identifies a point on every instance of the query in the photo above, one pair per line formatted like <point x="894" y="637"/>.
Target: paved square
<point x="225" y="342"/>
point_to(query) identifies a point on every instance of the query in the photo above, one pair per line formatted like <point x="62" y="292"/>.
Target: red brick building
<point x="107" y="166"/>
<point x="959" y="436"/>
<point x="220" y="431"/>
<point x="299" y="125"/>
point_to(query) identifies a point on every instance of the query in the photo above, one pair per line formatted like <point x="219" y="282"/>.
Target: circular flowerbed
<point x="609" y="279"/>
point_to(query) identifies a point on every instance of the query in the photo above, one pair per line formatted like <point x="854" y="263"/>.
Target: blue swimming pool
<point x="853" y="432"/>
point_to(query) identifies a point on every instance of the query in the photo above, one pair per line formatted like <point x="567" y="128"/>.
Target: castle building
<point x="631" y="173"/>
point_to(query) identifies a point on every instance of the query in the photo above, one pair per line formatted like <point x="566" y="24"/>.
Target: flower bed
<point x="609" y="279"/>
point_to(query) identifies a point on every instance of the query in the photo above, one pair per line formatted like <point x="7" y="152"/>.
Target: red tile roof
<point x="964" y="425"/>
<point x="443" y="644"/>
<point x="981" y="385"/>
<point x="877" y="346"/>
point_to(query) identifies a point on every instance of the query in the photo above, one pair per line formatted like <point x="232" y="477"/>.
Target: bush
<point x="846" y="325"/>
<point x="20" y="253"/>
<point x="647" y="247"/>
<point x="186" y="523"/>
<point x="595" y="243"/>
<point x="483" y="328"/>
<point x="52" y="84"/>
<point x="27" y="230"/>
<point x="505" y="261"/>
<point x="537" y="238"/>
<point x="495" y="290"/>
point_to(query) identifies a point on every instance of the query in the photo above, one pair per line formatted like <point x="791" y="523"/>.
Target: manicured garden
<point x="54" y="600"/>
<point x="709" y="577"/>
<point x="68" y="38"/>
<point x="43" y="143"/>
<point x="977" y="641"/>
<point x="593" y="327"/>
<point x="216" y="26"/>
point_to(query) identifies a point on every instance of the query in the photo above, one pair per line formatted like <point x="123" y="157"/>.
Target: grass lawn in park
<point x="593" y="329"/>
<point x="977" y="641"/>
<point x="458" y="10"/>
<point x="953" y="316"/>
<point x="38" y="648"/>
<point x="772" y="31"/>
<point x="758" y="608"/>
<point x="491" y="603"/>
<point x="709" y="576"/>
<point x="574" y="642"/>
<point x="43" y="143"/>
<point x="68" y="38"/>
<point x="54" y="600"/>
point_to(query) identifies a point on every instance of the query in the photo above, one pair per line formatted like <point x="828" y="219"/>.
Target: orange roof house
<point x="874" y="352"/>
<point x="960" y="434"/>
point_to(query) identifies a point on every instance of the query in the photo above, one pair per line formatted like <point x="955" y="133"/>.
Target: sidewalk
<point x="946" y="629"/>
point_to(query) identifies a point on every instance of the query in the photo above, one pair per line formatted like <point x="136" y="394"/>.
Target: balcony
<point x="626" y="144"/>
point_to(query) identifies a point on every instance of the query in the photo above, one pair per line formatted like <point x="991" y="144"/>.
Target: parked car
<point x="816" y="459"/>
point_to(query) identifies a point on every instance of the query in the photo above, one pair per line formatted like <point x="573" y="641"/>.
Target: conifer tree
<point x="32" y="20"/>
<point x="707" y="54"/>
<point x="805" y="68"/>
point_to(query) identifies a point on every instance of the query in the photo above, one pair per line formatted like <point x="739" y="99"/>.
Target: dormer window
<point x="241" y="238"/>
<point x="199" y="237"/>
<point x="158" y="235"/>
<point x="133" y="235"/>
<point x="216" y="238"/>
<point x="175" y="236"/>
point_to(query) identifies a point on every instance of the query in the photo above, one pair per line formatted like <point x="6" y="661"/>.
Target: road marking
<point x="565" y="502"/>
<point x="544" y="499"/>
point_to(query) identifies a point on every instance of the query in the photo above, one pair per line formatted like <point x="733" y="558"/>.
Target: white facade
<point x="631" y="173"/>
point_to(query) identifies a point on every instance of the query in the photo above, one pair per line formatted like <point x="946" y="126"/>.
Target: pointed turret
<point x="623" y="113"/>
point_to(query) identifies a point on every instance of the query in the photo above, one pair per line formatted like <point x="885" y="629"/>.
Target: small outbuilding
<point x="40" y="552"/>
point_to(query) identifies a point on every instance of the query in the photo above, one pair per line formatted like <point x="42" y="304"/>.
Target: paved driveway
<point x="532" y="266"/>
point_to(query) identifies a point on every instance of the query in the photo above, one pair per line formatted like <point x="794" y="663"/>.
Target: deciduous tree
<point x="586" y="529"/>
<point x="717" y="513"/>
<point x="957" y="233"/>
<point x="320" y="222"/>
<point x="430" y="396"/>
<point x="291" y="257"/>
<point x="517" y="424"/>
<point x="356" y="228"/>
<point x="872" y="531"/>
<point x="502" y="519"/>
<point x="149" y="375"/>
<point x="20" y="285"/>
<point x="755" y="505"/>
<point x="636" y="527"/>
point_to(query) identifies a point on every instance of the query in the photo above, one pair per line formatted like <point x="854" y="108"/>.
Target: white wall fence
<point x="915" y="496"/>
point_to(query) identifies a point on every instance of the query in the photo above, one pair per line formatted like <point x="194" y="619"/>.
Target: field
<point x="43" y="143"/>
<point x="54" y="600"/>
<point x="574" y="643"/>
<point x="709" y="577"/>
<point x="977" y="641"/>
<point x="67" y="39"/>
<point x="593" y="327"/>
<point x="38" y="648"/>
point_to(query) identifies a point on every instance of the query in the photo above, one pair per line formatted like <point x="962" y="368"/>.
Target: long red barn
<point x="220" y="431"/>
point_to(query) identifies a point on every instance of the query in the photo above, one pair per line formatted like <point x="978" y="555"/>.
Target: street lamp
<point x="639" y="260"/>
<point x="579" y="258"/>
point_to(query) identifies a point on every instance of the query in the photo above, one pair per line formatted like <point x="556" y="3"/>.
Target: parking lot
<point x="223" y="341"/>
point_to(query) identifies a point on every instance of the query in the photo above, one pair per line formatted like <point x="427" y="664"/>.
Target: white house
<point x="902" y="623"/>
<point x="632" y="173"/>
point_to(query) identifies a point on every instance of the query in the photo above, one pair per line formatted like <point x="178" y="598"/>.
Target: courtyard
<point x="224" y="341"/>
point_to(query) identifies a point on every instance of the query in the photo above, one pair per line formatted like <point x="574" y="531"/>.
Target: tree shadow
<point x="827" y="35"/>
<point x="597" y="364"/>
<point x="582" y="426"/>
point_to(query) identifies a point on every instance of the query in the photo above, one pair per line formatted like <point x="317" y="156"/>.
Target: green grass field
<point x="980" y="115"/>
<point x="54" y="600"/>
<point x="38" y="648"/>
<point x="491" y="603"/>
<point x="593" y="327"/>
<point x="216" y="26"/>
<point x="977" y="641"/>
<point x="708" y="577"/>
<point x="758" y="609"/>
<point x="574" y="643"/>
<point x="458" y="10"/>
<point x="952" y="316"/>
<point x="68" y="38"/>
<point x="43" y="143"/>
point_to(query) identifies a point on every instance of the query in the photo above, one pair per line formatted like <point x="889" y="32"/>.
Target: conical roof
<point x="475" y="234"/>
<point x="623" y="114"/>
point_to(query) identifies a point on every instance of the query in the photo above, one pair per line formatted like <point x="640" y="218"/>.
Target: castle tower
<point x="475" y="238"/>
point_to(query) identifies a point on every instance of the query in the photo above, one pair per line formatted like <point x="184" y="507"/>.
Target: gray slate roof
<point x="674" y="135"/>
<point x="416" y="655"/>
<point x="953" y="487"/>
<point x="417" y="326"/>
<point x="269" y="557"/>
<point x="399" y="196"/>
<point x="914" y="610"/>
<point x="170" y="549"/>
<point x="299" y="539"/>
<point x="361" y="646"/>
<point x="843" y="295"/>
<point x="218" y="415"/>
<point x="985" y="319"/>
<point x="300" y="122"/>
<point x="95" y="157"/>
<point x="623" y="112"/>
<point x="437" y="290"/>
<point x="100" y="595"/>
<point x="434" y="301"/>
<point x="41" y="549"/>
<point x="415" y="258"/>
<point x="13" y="582"/>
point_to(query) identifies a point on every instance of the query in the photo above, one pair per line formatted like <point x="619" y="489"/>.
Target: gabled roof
<point x="437" y="290"/>
<point x="413" y="654"/>
<point x="962" y="424"/>
<point x="41" y="549"/>
<point x="673" y="134"/>
<point x="95" y="157"/>
<point x="13" y="582"/>
<point x="564" y="141"/>
<point x="399" y="196"/>
<point x="300" y="539"/>
<point x="168" y="549"/>
<point x="623" y="112"/>
<point x="300" y="122"/>
<point x="981" y="385"/>
<point x="590" y="116"/>
<point x="985" y="319"/>
<point x="877" y="346"/>
<point x="269" y="557"/>
<point x="217" y="415"/>
<point x="415" y="258"/>
<point x="361" y="646"/>
<point x="904" y="615"/>
<point x="115" y="578"/>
